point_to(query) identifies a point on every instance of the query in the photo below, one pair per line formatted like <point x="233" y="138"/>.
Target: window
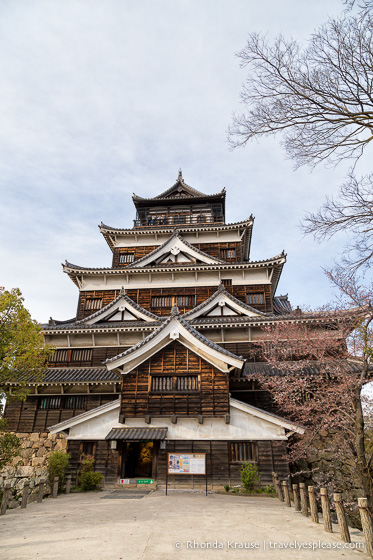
<point x="244" y="451"/>
<point x="50" y="403"/>
<point x="226" y="254"/>
<point x="169" y="301"/>
<point x="75" y="401"/>
<point x="68" y="402"/>
<point x="126" y="258"/>
<point x="93" y="304"/>
<point x="89" y="448"/>
<point x="227" y="282"/>
<point x="78" y="355"/>
<point x="255" y="299"/>
<point x="169" y="383"/>
<point x="82" y="355"/>
<point x="59" y="356"/>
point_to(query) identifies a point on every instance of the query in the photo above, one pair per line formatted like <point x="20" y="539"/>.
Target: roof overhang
<point x="171" y="330"/>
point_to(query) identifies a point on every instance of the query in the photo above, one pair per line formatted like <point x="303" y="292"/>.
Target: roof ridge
<point x="222" y="289"/>
<point x="175" y="234"/>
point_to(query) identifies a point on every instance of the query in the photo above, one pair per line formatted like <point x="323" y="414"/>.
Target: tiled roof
<point x="182" y="185"/>
<point x="137" y="230"/>
<point x="309" y="368"/>
<point x="187" y="326"/>
<point x="122" y="295"/>
<point x="281" y="305"/>
<point x="221" y="289"/>
<point x="129" y="434"/>
<point x="77" y="375"/>
<point x="277" y="260"/>
<point x="175" y="235"/>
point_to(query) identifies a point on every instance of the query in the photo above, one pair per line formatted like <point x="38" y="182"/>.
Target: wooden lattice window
<point x="60" y="356"/>
<point x="170" y="384"/>
<point x="126" y="258"/>
<point x="226" y="254"/>
<point x="227" y="282"/>
<point x="81" y="355"/>
<point x="169" y="301"/>
<point x="50" y="403"/>
<point x="253" y="299"/>
<point x="93" y="304"/>
<point x="244" y="451"/>
<point x="75" y="401"/>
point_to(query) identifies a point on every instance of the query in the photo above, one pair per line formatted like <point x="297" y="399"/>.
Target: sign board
<point x="137" y="481"/>
<point x="186" y="463"/>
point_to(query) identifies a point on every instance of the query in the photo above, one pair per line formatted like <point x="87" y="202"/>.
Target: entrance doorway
<point x="137" y="459"/>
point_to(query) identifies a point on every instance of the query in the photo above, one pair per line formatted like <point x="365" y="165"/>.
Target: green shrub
<point x="90" y="480"/>
<point x="58" y="463"/>
<point x="250" y="476"/>
<point x="87" y="464"/>
<point x="226" y="487"/>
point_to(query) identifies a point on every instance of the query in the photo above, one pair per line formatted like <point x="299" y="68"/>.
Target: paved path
<point x="157" y="527"/>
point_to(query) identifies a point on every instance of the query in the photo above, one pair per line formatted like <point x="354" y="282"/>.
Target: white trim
<point x="174" y="329"/>
<point x="259" y="413"/>
<point x="84" y="416"/>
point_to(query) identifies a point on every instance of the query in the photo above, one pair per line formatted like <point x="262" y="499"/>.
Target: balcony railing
<point x="177" y="219"/>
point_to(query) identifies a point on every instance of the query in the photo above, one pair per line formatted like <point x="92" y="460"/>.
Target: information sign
<point x="187" y="463"/>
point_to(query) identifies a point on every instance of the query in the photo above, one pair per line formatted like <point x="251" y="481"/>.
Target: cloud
<point x="102" y="99"/>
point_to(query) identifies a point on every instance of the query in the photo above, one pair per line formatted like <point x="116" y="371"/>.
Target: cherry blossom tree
<point x="320" y="364"/>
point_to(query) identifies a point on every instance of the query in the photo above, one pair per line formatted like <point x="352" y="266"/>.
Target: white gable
<point x="246" y="423"/>
<point x="174" y="329"/>
<point x="222" y="304"/>
<point x="121" y="309"/>
<point x="175" y="250"/>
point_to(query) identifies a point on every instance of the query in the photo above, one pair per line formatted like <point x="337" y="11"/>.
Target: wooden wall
<point x="212" y="399"/>
<point x="106" y="460"/>
<point x="220" y="469"/>
<point x="99" y="355"/>
<point x="27" y="417"/>
<point x="212" y="249"/>
<point x="143" y="297"/>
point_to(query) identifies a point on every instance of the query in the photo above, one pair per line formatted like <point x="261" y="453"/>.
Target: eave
<point x="276" y="263"/>
<point x="110" y="233"/>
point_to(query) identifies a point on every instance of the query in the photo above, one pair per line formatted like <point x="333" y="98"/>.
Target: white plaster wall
<point x="176" y="279"/>
<point x="243" y="426"/>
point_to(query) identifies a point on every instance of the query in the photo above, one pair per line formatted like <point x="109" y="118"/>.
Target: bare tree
<point x="320" y="98"/>
<point x="351" y="210"/>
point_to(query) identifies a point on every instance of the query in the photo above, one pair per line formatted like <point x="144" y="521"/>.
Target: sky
<point x="102" y="99"/>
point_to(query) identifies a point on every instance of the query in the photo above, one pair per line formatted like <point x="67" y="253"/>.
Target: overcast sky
<point x="100" y="99"/>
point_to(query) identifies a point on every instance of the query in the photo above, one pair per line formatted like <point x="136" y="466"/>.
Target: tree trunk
<point x="363" y="470"/>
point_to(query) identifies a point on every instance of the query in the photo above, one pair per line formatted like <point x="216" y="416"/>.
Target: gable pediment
<point x="121" y="309"/>
<point x="174" y="328"/>
<point x="176" y="250"/>
<point x="222" y="304"/>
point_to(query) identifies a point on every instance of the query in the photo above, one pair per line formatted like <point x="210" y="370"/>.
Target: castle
<point x="157" y="357"/>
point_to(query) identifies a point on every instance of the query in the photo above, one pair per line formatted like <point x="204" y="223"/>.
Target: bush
<point x="250" y="476"/>
<point x="58" y="463"/>
<point x="87" y="464"/>
<point x="90" y="480"/>
<point x="226" y="487"/>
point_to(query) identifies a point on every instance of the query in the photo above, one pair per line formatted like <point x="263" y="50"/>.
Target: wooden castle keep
<point x="155" y="360"/>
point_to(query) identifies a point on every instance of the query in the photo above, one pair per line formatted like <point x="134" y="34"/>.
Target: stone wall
<point x="31" y="463"/>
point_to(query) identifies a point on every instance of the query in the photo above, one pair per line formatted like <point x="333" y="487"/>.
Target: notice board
<point x="186" y="463"/>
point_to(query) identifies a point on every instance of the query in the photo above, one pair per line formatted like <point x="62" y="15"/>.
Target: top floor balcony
<point x="175" y="219"/>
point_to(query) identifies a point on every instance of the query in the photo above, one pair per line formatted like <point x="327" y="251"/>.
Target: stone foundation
<point x="31" y="464"/>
